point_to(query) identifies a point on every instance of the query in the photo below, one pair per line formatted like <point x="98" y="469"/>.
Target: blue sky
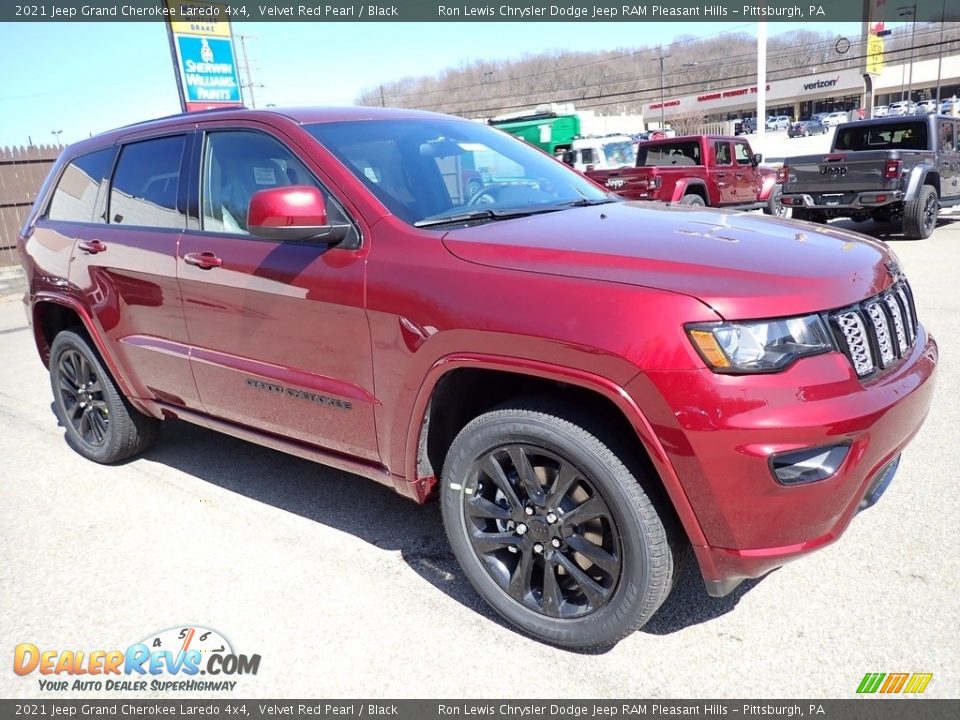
<point x="85" y="78"/>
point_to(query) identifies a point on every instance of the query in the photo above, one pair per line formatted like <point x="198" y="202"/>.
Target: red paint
<point x="333" y="353"/>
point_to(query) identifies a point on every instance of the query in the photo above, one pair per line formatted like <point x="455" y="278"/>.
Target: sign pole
<point x="176" y="67"/>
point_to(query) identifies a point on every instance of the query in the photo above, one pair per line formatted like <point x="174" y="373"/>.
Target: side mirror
<point x="293" y="212"/>
<point x="757" y="158"/>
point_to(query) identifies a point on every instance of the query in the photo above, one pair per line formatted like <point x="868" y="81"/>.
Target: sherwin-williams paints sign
<point x="202" y="47"/>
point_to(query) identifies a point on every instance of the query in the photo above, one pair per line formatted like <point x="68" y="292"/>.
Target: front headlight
<point x="759" y="345"/>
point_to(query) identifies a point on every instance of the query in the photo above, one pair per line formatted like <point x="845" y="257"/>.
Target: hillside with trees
<point x="621" y="80"/>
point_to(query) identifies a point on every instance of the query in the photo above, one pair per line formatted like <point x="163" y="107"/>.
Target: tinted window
<point x="676" y="153"/>
<point x="146" y="182"/>
<point x="80" y="188"/>
<point x="947" y="138"/>
<point x="890" y="136"/>
<point x="721" y="153"/>
<point x="416" y="166"/>
<point x="236" y="164"/>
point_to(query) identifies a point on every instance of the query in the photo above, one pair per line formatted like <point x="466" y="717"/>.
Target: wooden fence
<point x="22" y="172"/>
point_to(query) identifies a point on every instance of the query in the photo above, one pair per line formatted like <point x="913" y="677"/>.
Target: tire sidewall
<point x="604" y="625"/>
<point x="68" y="340"/>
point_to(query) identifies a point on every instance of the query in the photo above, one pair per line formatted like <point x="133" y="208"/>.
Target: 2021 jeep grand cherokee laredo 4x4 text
<point x="587" y="385"/>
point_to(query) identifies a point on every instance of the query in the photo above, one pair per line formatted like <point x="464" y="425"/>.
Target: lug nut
<point x="521" y="529"/>
<point x="555" y="542"/>
<point x="538" y="548"/>
<point x="551" y="518"/>
<point x="528" y="510"/>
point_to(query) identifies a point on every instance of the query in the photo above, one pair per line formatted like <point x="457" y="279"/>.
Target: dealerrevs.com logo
<point x="171" y="660"/>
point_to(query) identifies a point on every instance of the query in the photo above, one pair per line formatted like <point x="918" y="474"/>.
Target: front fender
<point x="581" y="378"/>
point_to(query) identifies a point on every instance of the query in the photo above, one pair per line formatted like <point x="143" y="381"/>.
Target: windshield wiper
<point x="474" y="215"/>
<point x="587" y="202"/>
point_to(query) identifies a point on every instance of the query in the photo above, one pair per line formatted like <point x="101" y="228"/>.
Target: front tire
<point x="775" y="204"/>
<point x="552" y="528"/>
<point x="920" y="214"/>
<point x="99" y="422"/>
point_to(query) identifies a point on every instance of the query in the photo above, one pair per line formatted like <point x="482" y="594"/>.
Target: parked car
<point x="880" y="111"/>
<point x="902" y="108"/>
<point x="745" y="126"/>
<point x="834" y="118"/>
<point x="806" y="128"/>
<point x="946" y="108"/>
<point x="611" y="151"/>
<point x="926" y="107"/>
<point x="586" y="386"/>
<point x="778" y="122"/>
<point x="889" y="169"/>
<point x="714" y="170"/>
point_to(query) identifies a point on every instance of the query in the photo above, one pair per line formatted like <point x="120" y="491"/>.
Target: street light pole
<point x="56" y="136"/>
<point x="943" y="15"/>
<point x="910" y="10"/>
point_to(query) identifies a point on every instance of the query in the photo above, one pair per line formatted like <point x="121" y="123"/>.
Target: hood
<point x="742" y="265"/>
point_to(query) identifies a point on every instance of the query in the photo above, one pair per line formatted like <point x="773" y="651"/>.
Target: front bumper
<point x="719" y="432"/>
<point x="848" y="200"/>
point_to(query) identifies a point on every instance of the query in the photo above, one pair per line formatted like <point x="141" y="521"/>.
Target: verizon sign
<point x="821" y="84"/>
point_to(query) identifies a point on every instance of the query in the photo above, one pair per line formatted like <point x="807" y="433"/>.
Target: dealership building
<point x="815" y="91"/>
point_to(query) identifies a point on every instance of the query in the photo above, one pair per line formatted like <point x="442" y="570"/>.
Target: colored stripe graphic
<point x="870" y="682"/>
<point x="894" y="683"/>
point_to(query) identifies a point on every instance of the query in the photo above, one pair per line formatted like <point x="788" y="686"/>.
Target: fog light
<point x="806" y="466"/>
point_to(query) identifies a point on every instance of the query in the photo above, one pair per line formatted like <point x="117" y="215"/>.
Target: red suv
<point x="587" y="385"/>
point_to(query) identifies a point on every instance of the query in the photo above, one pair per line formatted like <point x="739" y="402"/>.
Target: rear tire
<point x="100" y="423"/>
<point x="775" y="204"/>
<point x="552" y="528"/>
<point x="692" y="199"/>
<point x="920" y="214"/>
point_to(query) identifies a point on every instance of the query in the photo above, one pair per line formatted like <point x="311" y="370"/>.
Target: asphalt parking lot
<point x="347" y="590"/>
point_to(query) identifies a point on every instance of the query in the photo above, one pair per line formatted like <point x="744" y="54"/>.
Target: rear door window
<point x="146" y="184"/>
<point x="721" y="152"/>
<point x="81" y="188"/>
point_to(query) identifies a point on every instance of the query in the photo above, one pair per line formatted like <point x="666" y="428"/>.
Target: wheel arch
<point x="922" y="175"/>
<point x="690" y="186"/>
<point x="52" y="314"/>
<point x="421" y="457"/>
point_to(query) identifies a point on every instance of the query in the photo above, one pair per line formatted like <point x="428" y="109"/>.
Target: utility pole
<point x="943" y="15"/>
<point x="662" y="57"/>
<point x="904" y="11"/>
<point x="245" y="62"/>
<point x="383" y="103"/>
<point x="761" y="123"/>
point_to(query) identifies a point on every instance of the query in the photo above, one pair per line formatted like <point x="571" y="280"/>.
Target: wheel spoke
<point x="491" y="468"/>
<point x="485" y="543"/>
<point x="95" y="386"/>
<point x="526" y="473"/>
<point x="595" y="554"/>
<point x="551" y="590"/>
<point x="519" y="585"/>
<point x="83" y="425"/>
<point x="594" y="592"/>
<point x="69" y="368"/>
<point x="592" y="508"/>
<point x="68" y="387"/>
<point x="483" y="508"/>
<point x="561" y="484"/>
<point x="97" y="426"/>
<point x="75" y="412"/>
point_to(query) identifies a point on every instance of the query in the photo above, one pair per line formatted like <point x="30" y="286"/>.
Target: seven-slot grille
<point x="879" y="330"/>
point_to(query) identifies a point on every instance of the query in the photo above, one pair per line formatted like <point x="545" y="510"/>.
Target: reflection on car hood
<point x="743" y="265"/>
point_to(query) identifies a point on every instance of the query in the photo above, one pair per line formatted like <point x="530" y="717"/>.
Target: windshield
<point x="426" y="169"/>
<point x="620" y="153"/>
<point x="889" y="136"/>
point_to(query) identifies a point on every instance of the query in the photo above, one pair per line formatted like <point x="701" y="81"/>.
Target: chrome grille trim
<point x="879" y="330"/>
<point x="897" y="314"/>
<point x="882" y="332"/>
<point x="855" y="334"/>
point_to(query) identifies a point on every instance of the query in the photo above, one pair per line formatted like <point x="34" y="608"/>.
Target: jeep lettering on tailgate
<point x="342" y="285"/>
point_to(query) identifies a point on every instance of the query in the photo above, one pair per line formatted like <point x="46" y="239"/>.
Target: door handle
<point x="739" y="176"/>
<point x="205" y="260"/>
<point x="92" y="246"/>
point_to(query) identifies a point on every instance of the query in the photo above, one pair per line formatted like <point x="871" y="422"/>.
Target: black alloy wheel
<point x="549" y="516"/>
<point x="99" y="421"/>
<point x="81" y="394"/>
<point x="542" y="530"/>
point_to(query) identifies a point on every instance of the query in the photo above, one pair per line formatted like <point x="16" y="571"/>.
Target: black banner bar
<point x="873" y="708"/>
<point x="236" y="11"/>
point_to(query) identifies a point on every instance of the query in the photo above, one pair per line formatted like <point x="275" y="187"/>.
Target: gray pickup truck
<point x="888" y="169"/>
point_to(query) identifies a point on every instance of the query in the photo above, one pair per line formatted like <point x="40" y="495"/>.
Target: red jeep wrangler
<point x="588" y="386"/>
<point x="712" y="170"/>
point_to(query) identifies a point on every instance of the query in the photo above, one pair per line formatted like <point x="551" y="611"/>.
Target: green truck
<point x="548" y="130"/>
